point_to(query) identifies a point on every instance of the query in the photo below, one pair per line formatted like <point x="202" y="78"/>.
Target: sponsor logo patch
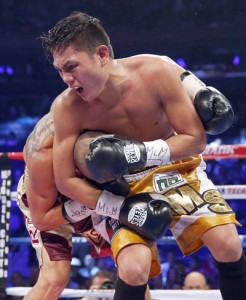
<point x="132" y="153"/>
<point x="166" y="181"/>
<point x="137" y="216"/>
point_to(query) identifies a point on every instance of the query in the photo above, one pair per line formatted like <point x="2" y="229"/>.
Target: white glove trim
<point x="192" y="85"/>
<point x="109" y="205"/>
<point x="75" y="211"/>
<point x="158" y="153"/>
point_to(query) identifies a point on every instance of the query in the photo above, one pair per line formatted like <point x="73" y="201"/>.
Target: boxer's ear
<point x="103" y="53"/>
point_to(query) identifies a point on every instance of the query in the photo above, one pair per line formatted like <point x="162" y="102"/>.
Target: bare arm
<point x="41" y="188"/>
<point x="42" y="194"/>
<point x="181" y="114"/>
<point x="67" y="129"/>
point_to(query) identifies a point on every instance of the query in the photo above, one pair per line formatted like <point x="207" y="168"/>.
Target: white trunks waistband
<point x="139" y="175"/>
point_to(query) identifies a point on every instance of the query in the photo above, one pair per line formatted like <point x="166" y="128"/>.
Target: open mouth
<point x="79" y="90"/>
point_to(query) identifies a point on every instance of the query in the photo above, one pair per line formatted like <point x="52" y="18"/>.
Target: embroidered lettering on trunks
<point x="165" y="181"/>
<point x="186" y="200"/>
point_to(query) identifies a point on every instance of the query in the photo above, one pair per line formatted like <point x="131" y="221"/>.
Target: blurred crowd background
<point x="207" y="37"/>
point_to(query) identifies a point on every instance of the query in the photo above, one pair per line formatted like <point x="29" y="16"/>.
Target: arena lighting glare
<point x="180" y="61"/>
<point x="6" y="70"/>
<point x="236" y="60"/>
<point x="9" y="70"/>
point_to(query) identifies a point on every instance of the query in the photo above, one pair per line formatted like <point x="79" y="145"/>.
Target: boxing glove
<point x="118" y="187"/>
<point x="147" y="213"/>
<point x="73" y="211"/>
<point x="213" y="108"/>
<point x="113" y="156"/>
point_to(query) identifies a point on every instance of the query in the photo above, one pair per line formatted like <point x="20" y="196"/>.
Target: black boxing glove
<point x="118" y="187"/>
<point x="213" y="108"/>
<point x="113" y="156"/>
<point x="74" y="211"/>
<point x="147" y="213"/>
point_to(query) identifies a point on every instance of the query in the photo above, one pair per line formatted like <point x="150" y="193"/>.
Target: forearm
<point x="50" y="220"/>
<point x="125" y="156"/>
<point x="68" y="212"/>
<point x="182" y="146"/>
<point x="81" y="191"/>
<point x="175" y="148"/>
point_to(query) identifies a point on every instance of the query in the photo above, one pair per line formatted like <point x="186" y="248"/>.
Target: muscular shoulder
<point x="149" y="62"/>
<point x="149" y="66"/>
<point x="67" y="106"/>
<point x="67" y="98"/>
<point x="40" y="139"/>
<point x="160" y="73"/>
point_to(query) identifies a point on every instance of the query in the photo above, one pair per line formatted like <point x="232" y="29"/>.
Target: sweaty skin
<point x="141" y="97"/>
<point x="41" y="188"/>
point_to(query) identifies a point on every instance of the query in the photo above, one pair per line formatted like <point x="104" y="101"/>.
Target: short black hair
<point x="81" y="30"/>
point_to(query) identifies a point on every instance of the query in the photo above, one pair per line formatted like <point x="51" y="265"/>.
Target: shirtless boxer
<point x="143" y="98"/>
<point x="42" y="206"/>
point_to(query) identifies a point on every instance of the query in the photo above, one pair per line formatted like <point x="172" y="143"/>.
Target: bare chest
<point x="136" y="115"/>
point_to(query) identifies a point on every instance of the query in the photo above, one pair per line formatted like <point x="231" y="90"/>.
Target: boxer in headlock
<point x="118" y="205"/>
<point x="157" y="116"/>
<point x="42" y="206"/>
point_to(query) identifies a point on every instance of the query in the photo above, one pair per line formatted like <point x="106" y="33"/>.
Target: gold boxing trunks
<point x="196" y="205"/>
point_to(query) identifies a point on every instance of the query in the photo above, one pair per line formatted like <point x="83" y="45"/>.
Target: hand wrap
<point x="213" y="108"/>
<point x="73" y="211"/>
<point x="147" y="213"/>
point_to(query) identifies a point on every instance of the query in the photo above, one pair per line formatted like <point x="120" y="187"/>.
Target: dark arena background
<point x="206" y="37"/>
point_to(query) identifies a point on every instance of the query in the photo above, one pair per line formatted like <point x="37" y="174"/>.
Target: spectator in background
<point x="167" y="263"/>
<point x="77" y="280"/>
<point x="17" y="279"/>
<point x="90" y="268"/>
<point x="34" y="273"/>
<point x="172" y="277"/>
<point x="241" y="139"/>
<point x="74" y="281"/>
<point x="195" y="281"/>
<point x="156" y="283"/>
<point x="175" y="274"/>
<point x="102" y="280"/>
<point x="181" y="273"/>
<point x="194" y="264"/>
<point x="3" y="295"/>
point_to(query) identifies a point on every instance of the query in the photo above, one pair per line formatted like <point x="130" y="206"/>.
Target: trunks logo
<point x="132" y="153"/>
<point x="34" y="235"/>
<point x="137" y="216"/>
<point x="166" y="181"/>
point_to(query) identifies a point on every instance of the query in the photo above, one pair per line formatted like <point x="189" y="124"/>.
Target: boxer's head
<point x="80" y="30"/>
<point x="81" y="149"/>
